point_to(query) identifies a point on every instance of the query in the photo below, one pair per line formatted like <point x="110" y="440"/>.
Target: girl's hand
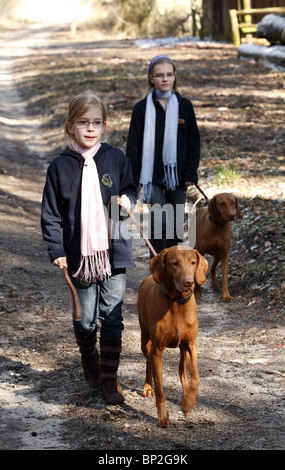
<point x="124" y="202"/>
<point x="60" y="262"/>
<point x="188" y="183"/>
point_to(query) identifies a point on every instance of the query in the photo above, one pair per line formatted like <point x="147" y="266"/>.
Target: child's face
<point x="163" y="77"/>
<point x="88" y="129"/>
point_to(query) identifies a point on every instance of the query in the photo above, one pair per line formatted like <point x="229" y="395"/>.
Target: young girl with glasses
<point x="164" y="148"/>
<point x="76" y="222"/>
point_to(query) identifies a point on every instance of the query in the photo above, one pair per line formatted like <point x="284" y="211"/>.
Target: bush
<point x="134" y="13"/>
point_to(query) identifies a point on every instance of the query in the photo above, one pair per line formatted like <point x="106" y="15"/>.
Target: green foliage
<point x="171" y="23"/>
<point x="135" y="12"/>
<point x="226" y="174"/>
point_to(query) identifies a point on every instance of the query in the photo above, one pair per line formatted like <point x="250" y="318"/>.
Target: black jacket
<point x="188" y="141"/>
<point x="61" y="204"/>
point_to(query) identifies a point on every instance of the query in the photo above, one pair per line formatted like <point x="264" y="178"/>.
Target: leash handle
<point x="74" y="299"/>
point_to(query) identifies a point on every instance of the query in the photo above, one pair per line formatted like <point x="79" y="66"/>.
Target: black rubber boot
<point x="90" y="359"/>
<point x="110" y="350"/>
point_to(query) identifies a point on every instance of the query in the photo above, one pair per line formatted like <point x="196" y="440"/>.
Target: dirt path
<point x="45" y="403"/>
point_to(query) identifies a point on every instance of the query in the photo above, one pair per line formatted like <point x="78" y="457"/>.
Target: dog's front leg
<point x="215" y="285"/>
<point x="163" y="418"/>
<point x="147" y="389"/>
<point x="146" y="347"/>
<point x="188" y="353"/>
<point x="225" y="272"/>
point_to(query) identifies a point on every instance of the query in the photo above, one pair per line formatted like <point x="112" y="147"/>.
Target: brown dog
<point x="213" y="236"/>
<point x="168" y="318"/>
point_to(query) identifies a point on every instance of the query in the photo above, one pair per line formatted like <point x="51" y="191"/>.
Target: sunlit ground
<point x="52" y="11"/>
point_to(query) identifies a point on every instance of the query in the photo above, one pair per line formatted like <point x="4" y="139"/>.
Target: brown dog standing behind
<point x="168" y="318"/>
<point x="213" y="236"/>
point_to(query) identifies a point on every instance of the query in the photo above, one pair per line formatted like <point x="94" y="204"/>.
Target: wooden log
<point x="272" y="28"/>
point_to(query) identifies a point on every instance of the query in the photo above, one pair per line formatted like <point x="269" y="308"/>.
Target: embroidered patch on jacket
<point x="107" y="180"/>
<point x="181" y="121"/>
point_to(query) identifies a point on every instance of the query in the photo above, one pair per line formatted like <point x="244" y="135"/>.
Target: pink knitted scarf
<point x="94" y="263"/>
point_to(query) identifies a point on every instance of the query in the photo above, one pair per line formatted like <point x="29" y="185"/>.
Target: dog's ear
<point x="202" y="268"/>
<point x="238" y="211"/>
<point x="157" y="266"/>
<point x="212" y="208"/>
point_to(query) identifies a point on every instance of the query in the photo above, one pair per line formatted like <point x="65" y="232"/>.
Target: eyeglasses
<point x="84" y="124"/>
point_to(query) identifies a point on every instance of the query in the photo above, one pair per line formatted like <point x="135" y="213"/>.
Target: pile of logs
<point x="272" y="28"/>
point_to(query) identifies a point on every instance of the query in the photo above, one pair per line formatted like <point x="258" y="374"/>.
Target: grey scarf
<point x="169" y="151"/>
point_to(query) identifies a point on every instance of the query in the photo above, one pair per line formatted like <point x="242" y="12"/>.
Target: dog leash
<point x="74" y="299"/>
<point x="202" y="192"/>
<point x="141" y="231"/>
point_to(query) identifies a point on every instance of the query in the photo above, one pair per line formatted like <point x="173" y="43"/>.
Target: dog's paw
<point x="164" y="422"/>
<point x="215" y="286"/>
<point x="188" y="404"/>
<point x="147" y="391"/>
<point x="227" y="298"/>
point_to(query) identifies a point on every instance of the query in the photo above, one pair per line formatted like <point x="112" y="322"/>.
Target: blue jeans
<point x="176" y="200"/>
<point x="101" y="301"/>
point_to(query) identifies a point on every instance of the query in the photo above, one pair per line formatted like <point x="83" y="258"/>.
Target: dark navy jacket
<point x="61" y="204"/>
<point x="188" y="141"/>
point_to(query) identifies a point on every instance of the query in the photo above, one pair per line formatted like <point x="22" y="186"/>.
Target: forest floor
<point x="239" y="104"/>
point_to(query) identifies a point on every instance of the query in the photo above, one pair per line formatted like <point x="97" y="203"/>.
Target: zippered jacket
<point x="61" y="205"/>
<point x="188" y="141"/>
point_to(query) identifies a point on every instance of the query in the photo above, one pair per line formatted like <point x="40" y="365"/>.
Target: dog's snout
<point x="232" y="213"/>
<point x="188" y="282"/>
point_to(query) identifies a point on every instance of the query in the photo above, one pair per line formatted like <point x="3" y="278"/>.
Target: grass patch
<point x="226" y="174"/>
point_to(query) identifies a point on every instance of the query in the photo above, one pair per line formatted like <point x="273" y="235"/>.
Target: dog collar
<point x="179" y="300"/>
<point x="218" y="224"/>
